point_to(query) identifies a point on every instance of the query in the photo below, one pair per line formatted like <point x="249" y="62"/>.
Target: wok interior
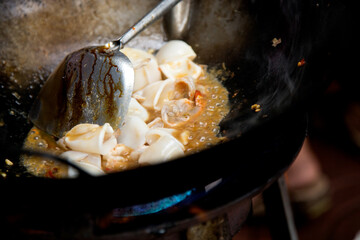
<point x="235" y="36"/>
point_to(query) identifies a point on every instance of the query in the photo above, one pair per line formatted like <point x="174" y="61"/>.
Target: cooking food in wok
<point x="175" y="109"/>
<point x="242" y="37"/>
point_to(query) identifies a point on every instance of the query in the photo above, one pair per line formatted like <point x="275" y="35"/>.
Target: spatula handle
<point x="163" y="7"/>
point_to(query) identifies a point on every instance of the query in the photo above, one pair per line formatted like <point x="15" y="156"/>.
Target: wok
<point x="233" y="35"/>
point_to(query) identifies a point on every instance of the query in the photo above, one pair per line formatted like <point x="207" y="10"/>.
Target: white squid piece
<point x="158" y="93"/>
<point x="155" y="93"/>
<point x="154" y="134"/>
<point x="135" y="155"/>
<point x="136" y="109"/>
<point x="173" y="51"/>
<point x="90" y="163"/>
<point x="91" y="138"/>
<point x="175" y="60"/>
<point x="133" y="132"/>
<point x="145" y="66"/>
<point x="156" y="123"/>
<point x="184" y="88"/>
<point x="181" y="68"/>
<point x="164" y="147"/>
<point x="172" y="90"/>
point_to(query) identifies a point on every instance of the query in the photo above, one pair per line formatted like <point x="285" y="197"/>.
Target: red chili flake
<point x="301" y="62"/>
<point x="50" y="174"/>
<point x="197" y="94"/>
<point x="198" y="98"/>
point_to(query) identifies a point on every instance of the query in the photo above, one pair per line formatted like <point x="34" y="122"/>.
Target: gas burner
<point x="196" y="213"/>
<point x="152" y="207"/>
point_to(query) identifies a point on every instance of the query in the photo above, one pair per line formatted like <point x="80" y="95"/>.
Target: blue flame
<point x="152" y="207"/>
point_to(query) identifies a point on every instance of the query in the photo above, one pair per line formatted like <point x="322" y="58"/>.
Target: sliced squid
<point x="90" y="163"/>
<point x="181" y="68"/>
<point x="145" y="66"/>
<point x="178" y="112"/>
<point x="173" y="51"/>
<point x="175" y="60"/>
<point x="155" y="93"/>
<point x="172" y="90"/>
<point x="135" y="155"/>
<point x="154" y="134"/>
<point x="136" y="109"/>
<point x="133" y="132"/>
<point x="156" y="123"/>
<point x="184" y="88"/>
<point x="163" y="149"/>
<point x="91" y="138"/>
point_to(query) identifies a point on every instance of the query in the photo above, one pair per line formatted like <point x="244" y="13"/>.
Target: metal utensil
<point x="91" y="85"/>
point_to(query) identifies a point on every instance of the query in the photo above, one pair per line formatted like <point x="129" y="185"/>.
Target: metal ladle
<point x="91" y="85"/>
